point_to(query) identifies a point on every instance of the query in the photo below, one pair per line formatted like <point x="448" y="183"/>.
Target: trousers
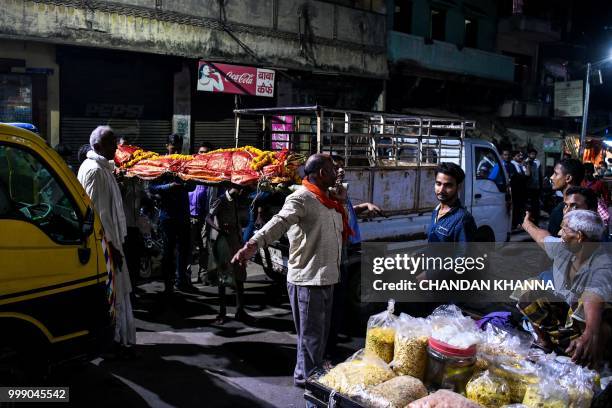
<point x="176" y="235"/>
<point x="312" y="309"/>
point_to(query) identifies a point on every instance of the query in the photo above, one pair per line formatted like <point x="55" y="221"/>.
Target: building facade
<point x="133" y="64"/>
<point x="442" y="54"/>
<point x="537" y="34"/>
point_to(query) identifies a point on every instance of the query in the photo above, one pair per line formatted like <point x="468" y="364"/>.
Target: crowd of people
<point x="320" y="223"/>
<point x="527" y="183"/>
<point x="188" y="215"/>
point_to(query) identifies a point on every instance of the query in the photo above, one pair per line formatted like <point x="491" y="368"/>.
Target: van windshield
<point x="30" y="192"/>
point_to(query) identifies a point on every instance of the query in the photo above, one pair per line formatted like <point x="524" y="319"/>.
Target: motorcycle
<point x="151" y="258"/>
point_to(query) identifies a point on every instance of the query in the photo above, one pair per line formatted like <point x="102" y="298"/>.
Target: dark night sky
<point x="592" y="27"/>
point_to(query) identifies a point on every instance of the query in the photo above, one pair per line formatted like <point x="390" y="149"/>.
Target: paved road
<point x="185" y="360"/>
<point x="188" y="361"/>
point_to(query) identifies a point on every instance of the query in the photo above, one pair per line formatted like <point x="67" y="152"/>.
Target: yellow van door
<point x="49" y="276"/>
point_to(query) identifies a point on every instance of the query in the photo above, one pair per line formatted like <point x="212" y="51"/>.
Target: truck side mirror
<point x="88" y="223"/>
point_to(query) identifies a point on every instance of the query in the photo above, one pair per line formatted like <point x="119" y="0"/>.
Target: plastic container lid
<point x="451" y="351"/>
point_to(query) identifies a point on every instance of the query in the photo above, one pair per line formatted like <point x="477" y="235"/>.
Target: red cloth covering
<point x="124" y="154"/>
<point x="221" y="166"/>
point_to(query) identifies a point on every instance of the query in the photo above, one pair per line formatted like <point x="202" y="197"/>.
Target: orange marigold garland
<point x="137" y="156"/>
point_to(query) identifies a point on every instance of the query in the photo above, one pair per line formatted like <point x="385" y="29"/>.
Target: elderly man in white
<point x="96" y="176"/>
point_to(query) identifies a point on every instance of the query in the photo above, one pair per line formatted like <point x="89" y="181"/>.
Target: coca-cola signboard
<point x="235" y="79"/>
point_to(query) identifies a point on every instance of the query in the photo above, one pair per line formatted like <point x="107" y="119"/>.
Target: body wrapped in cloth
<point x="241" y="166"/>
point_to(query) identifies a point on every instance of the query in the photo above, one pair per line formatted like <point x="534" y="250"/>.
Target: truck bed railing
<point x="389" y="158"/>
<point x="364" y="139"/>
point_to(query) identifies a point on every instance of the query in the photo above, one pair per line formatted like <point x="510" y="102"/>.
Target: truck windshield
<point x="30" y="192"/>
<point x="488" y="167"/>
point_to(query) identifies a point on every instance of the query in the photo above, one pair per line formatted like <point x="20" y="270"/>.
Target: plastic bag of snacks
<point x="547" y="393"/>
<point x="410" y="348"/>
<point x="380" y="335"/>
<point x="579" y="382"/>
<point x="488" y="390"/>
<point x="518" y="375"/>
<point x="444" y="399"/>
<point x="358" y="372"/>
<point x="394" y="393"/>
<point x="579" y="390"/>
<point x="450" y="326"/>
<point x="501" y="345"/>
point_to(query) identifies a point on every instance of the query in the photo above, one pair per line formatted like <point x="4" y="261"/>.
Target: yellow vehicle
<point x="53" y="275"/>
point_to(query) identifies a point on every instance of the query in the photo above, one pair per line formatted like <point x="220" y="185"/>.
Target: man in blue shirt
<point x="450" y="221"/>
<point x="497" y="175"/>
<point x="174" y="220"/>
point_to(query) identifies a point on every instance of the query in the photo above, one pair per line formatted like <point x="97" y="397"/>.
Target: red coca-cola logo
<point x="244" y="78"/>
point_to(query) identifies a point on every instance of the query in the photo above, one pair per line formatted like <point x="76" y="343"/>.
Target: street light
<point x="587" y="94"/>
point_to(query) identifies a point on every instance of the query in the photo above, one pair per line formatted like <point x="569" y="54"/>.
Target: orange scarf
<point x="332" y="204"/>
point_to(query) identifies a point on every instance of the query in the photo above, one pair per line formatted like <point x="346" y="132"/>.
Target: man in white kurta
<point x="96" y="176"/>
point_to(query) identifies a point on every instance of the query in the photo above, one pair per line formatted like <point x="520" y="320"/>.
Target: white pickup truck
<point x="390" y="161"/>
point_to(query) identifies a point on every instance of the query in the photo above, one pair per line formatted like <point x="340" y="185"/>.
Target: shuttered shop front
<point x="214" y="122"/>
<point x="130" y="92"/>
<point x="222" y="133"/>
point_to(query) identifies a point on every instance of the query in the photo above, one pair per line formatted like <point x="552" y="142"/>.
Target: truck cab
<point x="53" y="275"/>
<point x="484" y="193"/>
<point x="390" y="161"/>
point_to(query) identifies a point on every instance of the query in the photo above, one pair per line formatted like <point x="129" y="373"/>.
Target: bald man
<point x="96" y="174"/>
<point x="316" y="226"/>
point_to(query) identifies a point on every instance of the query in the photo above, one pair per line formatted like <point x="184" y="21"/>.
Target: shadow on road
<point x="197" y="311"/>
<point x="182" y="375"/>
<point x="187" y="375"/>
